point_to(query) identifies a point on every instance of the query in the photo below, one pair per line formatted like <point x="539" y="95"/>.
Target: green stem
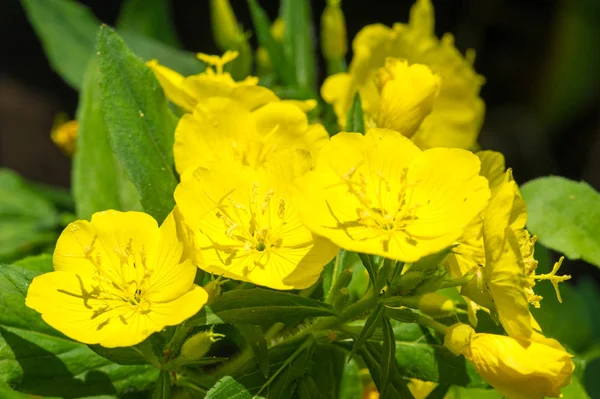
<point x="429" y="322"/>
<point x="457" y="282"/>
<point x="181" y="332"/>
<point x="334" y="275"/>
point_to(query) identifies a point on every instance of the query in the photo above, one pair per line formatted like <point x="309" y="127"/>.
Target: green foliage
<point x="149" y="18"/>
<point x="68" y="30"/>
<point x="37" y="359"/>
<point x="98" y="179"/>
<point x="298" y="42"/>
<point x="367" y="331"/>
<point x="355" y="119"/>
<point x="256" y="340"/>
<point x="139" y="122"/>
<point x="260" y="307"/>
<point x="565" y="215"/>
<point x="228" y="388"/>
<point x="28" y="220"/>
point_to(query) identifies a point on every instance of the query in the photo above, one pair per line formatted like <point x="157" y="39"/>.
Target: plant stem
<point x="457" y="282"/>
<point x="429" y="322"/>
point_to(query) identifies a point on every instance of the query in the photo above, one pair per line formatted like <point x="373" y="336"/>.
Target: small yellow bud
<point x="458" y="338"/>
<point x="333" y="31"/>
<point x="436" y="305"/>
<point x="64" y="135"/>
<point x="198" y="345"/>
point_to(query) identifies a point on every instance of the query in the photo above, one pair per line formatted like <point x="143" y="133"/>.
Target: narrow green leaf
<point x="282" y="384"/>
<point x="262" y="26"/>
<point x="256" y="340"/>
<point x="355" y="121"/>
<point x="334" y="375"/>
<point x="229" y="388"/>
<point x="150" y="18"/>
<point x="388" y="361"/>
<point x="298" y="41"/>
<point x="370" y="325"/>
<point x="98" y="182"/>
<point x="307" y="389"/>
<point x="139" y="122"/>
<point x="368" y="264"/>
<point x="565" y="216"/>
<point x="28" y="220"/>
<point x="38" y="360"/>
<point x="261" y="307"/>
<point x="371" y="355"/>
<point x="68" y="30"/>
<point x="162" y="389"/>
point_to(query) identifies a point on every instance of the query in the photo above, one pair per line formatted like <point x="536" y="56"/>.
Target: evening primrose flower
<point x="245" y="225"/>
<point x="380" y="194"/>
<point x="456" y="112"/>
<point x="517" y="370"/>
<point x="224" y="130"/>
<point x="117" y="280"/>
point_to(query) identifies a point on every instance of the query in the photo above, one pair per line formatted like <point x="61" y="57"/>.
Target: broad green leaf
<point x="262" y="26"/>
<point x="229" y="388"/>
<point x="367" y="331"/>
<point x="355" y="120"/>
<point x="68" y="30"/>
<point x="575" y="390"/>
<point x="36" y="359"/>
<point x="98" y="181"/>
<point x="38" y="263"/>
<point x="334" y="375"/>
<point x="7" y="393"/>
<point x="261" y="307"/>
<point x="60" y="197"/>
<point x="565" y="216"/>
<point x="298" y="41"/>
<point x="256" y="340"/>
<point x="388" y="360"/>
<point x="139" y="122"/>
<point x="150" y="18"/>
<point x="162" y="389"/>
<point x="28" y="220"/>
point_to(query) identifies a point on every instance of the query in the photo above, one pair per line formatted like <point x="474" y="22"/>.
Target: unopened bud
<point x="228" y="35"/>
<point x="343" y="280"/>
<point x="213" y="289"/>
<point x="333" y="31"/>
<point x="458" y="338"/>
<point x="64" y="135"/>
<point x="340" y="299"/>
<point x="408" y="281"/>
<point x="198" y="345"/>
<point x="436" y="305"/>
<point x="432" y="284"/>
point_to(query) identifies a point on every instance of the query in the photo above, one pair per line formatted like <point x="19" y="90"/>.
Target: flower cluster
<point x="267" y="197"/>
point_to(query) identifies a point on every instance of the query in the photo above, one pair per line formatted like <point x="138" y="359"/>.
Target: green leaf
<point x="68" y="30"/>
<point x="150" y="18"/>
<point x="298" y="41"/>
<point x="575" y="390"/>
<point x="369" y="328"/>
<point x="98" y="181"/>
<point x="261" y="307"/>
<point x="355" y="121"/>
<point x="307" y="389"/>
<point x="388" y="361"/>
<point x="457" y="392"/>
<point x="371" y="355"/>
<point x="256" y="340"/>
<point x="162" y="389"/>
<point x="36" y="359"/>
<point x="283" y="382"/>
<point x="38" y="263"/>
<point x="228" y="388"/>
<point x="368" y="264"/>
<point x="334" y="376"/>
<point x="139" y="122"/>
<point x="565" y="215"/>
<point x="7" y="393"/>
<point x="332" y="272"/>
<point x="262" y="26"/>
<point x="124" y="356"/>
<point x="29" y="221"/>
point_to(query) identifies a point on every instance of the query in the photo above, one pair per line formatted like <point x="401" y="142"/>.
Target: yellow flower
<point x="517" y="370"/>
<point x="245" y="225"/>
<point x="457" y="112"/>
<point x="64" y="135"/>
<point x="223" y="129"/>
<point x="380" y="194"/>
<point x="117" y="280"/>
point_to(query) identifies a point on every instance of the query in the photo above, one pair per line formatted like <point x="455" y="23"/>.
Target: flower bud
<point x="458" y="337"/>
<point x="436" y="305"/>
<point x="64" y="135"/>
<point x="343" y="280"/>
<point x="340" y="299"/>
<point x="408" y="281"/>
<point x="213" y="289"/>
<point x="198" y="345"/>
<point x="333" y="31"/>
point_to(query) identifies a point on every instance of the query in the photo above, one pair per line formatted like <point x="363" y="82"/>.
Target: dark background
<point x="541" y="60"/>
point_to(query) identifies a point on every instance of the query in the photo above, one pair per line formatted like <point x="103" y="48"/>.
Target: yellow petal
<point x="171" y="83"/>
<point x="338" y="91"/>
<point x="493" y="168"/>
<point x="178" y="310"/>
